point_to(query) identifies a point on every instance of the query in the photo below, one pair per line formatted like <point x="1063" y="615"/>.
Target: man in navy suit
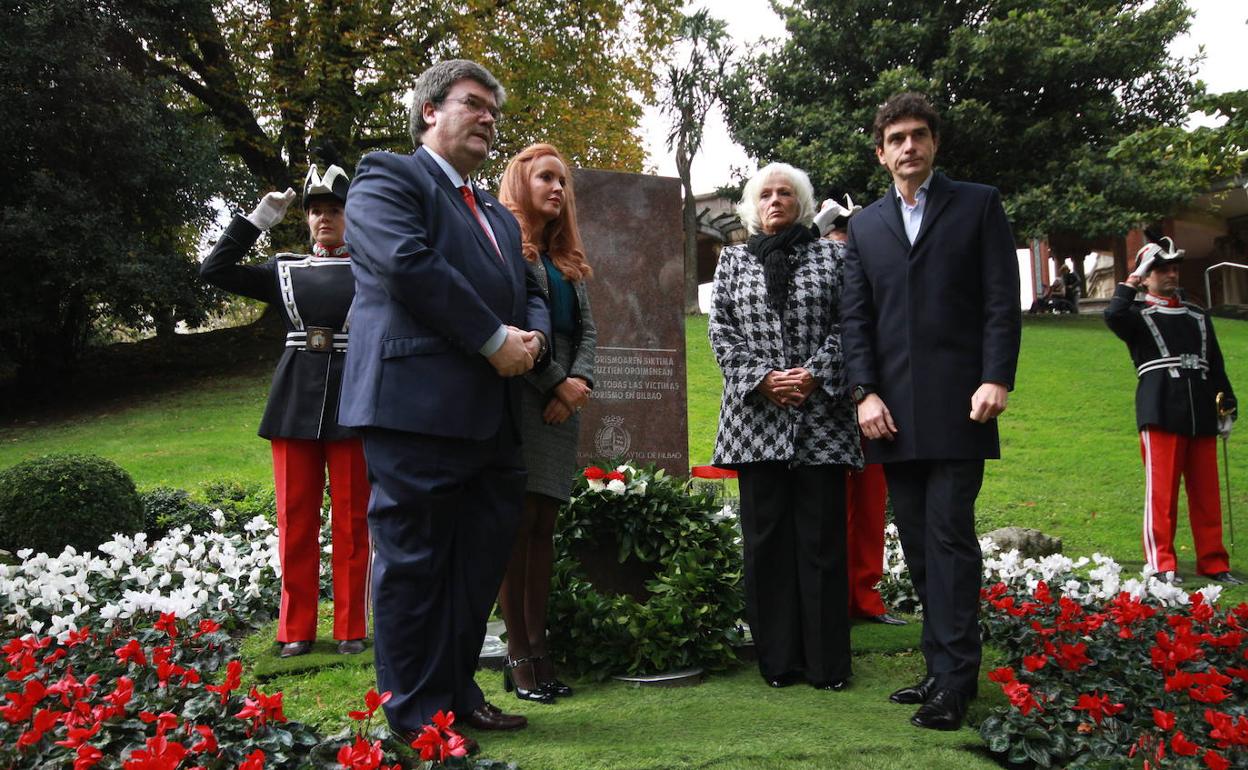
<point x="931" y="327"/>
<point x="444" y="320"/>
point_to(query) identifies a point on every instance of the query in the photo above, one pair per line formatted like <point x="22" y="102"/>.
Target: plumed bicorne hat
<point x="1160" y="254"/>
<point x="835" y="215"/>
<point x="334" y="183"/>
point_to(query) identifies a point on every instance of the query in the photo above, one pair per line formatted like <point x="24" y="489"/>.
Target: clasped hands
<point x="570" y="395"/>
<point x="876" y="422"/>
<point x="788" y="388"/>
<point x="518" y="353"/>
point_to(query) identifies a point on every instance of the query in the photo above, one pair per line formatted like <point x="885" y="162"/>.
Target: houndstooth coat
<point x="749" y="341"/>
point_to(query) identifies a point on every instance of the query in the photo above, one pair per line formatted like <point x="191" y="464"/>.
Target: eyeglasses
<point x="478" y="107"/>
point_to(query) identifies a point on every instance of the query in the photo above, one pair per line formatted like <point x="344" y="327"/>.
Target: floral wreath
<point x="691" y="616"/>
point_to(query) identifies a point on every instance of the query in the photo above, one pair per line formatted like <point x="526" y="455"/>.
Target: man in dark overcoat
<point x="445" y="319"/>
<point x="931" y="326"/>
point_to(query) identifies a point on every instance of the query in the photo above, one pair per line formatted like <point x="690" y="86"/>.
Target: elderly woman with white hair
<point x="788" y="427"/>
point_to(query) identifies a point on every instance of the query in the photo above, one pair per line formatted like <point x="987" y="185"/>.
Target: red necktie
<point x="471" y="200"/>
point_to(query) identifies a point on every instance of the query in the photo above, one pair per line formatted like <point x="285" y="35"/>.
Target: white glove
<point x="827" y="214"/>
<point x="271" y="209"/>
<point x="1224" y="425"/>
<point x="1146" y="255"/>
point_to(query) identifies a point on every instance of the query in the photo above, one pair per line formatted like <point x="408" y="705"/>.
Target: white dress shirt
<point x="912" y="216"/>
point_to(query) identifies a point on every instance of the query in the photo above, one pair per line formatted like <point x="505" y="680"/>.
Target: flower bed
<point x="111" y="655"/>
<point x="230" y="578"/>
<point x="1107" y="672"/>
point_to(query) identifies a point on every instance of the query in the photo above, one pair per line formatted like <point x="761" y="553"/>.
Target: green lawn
<point x="1070" y="467"/>
<point x="732" y="721"/>
<point x="180" y="438"/>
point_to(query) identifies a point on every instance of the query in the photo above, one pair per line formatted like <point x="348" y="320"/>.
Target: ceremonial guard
<point x="865" y="490"/>
<point x="314" y="292"/>
<point x="1183" y="401"/>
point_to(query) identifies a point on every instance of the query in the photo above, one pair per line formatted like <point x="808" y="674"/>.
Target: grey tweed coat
<point x="749" y="340"/>
<point x="549" y="451"/>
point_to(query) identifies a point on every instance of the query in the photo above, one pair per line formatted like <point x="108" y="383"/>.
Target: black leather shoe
<point x="557" y="688"/>
<point x="915" y="693"/>
<point x="1226" y="577"/>
<point x="291" y="649"/>
<point x="537" y="694"/>
<point x="783" y="680"/>
<point x="351" y="646"/>
<point x="945" y="710"/>
<point x="888" y="620"/>
<point x="491" y="717"/>
<point x="552" y="685"/>
<point x="835" y="685"/>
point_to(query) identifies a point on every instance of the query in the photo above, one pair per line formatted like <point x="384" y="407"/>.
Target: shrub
<point x="647" y="577"/>
<point x="165" y="508"/>
<point x="57" y="500"/>
<point x="241" y="502"/>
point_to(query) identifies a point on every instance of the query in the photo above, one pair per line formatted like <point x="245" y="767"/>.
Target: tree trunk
<point x="690" y="227"/>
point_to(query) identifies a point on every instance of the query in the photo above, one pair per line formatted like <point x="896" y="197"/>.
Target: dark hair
<point x="435" y="83"/>
<point x="899" y="107"/>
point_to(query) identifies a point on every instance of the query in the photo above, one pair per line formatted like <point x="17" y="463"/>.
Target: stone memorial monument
<point x="631" y="227"/>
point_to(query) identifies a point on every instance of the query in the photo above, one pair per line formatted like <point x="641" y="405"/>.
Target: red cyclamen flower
<point x="132" y="652"/>
<point x="86" y="757"/>
<point x="254" y="761"/>
<point x="1163" y="719"/>
<point x="1001" y="675"/>
<point x="168" y="623"/>
<point x="1180" y="745"/>
<point x="361" y="755"/>
<point x="372" y="702"/>
<point x="1098" y="706"/>
<point x="233" y="678"/>
<point x="1215" y="761"/>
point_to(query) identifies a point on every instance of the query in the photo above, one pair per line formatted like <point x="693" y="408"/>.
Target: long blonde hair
<point x="560" y="235"/>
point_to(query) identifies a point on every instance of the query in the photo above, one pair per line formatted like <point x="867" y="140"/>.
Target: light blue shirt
<point x="496" y="339"/>
<point x="912" y="216"/>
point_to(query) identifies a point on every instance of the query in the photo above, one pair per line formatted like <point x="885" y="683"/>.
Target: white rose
<point x="616" y="486"/>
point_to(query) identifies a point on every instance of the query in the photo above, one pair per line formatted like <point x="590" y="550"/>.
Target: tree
<point x="1039" y="97"/>
<point x="692" y="87"/>
<point x="101" y="180"/>
<point x="283" y="76"/>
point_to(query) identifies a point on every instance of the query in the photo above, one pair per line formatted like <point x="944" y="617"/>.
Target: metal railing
<point x="1210" y="269"/>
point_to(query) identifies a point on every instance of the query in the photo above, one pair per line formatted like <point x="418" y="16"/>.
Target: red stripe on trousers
<point x="299" y="475"/>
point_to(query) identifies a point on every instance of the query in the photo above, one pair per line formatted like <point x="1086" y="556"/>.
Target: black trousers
<point x="442" y="517"/>
<point x="796" y="584"/>
<point x="934" y="507"/>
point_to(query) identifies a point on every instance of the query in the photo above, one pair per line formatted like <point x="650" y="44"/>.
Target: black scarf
<point x="774" y="251"/>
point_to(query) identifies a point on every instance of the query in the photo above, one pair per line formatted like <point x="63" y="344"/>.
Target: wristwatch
<point x="860" y="392"/>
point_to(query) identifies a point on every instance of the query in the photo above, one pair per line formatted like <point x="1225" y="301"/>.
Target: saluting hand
<point x="271" y="209"/>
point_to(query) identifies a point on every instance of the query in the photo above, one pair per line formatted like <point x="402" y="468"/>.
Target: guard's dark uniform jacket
<point x="315" y="296"/>
<point x="1177" y="359"/>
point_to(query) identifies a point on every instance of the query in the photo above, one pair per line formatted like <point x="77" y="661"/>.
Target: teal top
<point x="562" y="300"/>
